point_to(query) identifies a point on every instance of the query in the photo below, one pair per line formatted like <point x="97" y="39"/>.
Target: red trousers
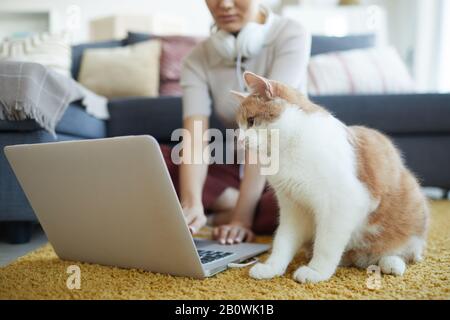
<point x="221" y="177"/>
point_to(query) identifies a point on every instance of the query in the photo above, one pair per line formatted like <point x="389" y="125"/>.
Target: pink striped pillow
<point x="173" y="51"/>
<point x="170" y="88"/>
<point x="362" y="71"/>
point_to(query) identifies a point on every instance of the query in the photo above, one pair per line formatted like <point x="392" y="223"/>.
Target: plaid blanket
<point x="32" y="91"/>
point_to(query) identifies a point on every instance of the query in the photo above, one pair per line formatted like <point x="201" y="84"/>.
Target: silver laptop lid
<point x="107" y="201"/>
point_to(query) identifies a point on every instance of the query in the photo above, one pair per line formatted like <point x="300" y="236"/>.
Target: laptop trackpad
<point x="208" y="244"/>
<point x="202" y="243"/>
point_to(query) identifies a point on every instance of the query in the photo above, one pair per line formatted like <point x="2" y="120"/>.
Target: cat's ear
<point x="238" y="95"/>
<point x="259" y="85"/>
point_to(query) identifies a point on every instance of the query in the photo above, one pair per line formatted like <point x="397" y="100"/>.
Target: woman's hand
<point x="195" y="217"/>
<point x="233" y="233"/>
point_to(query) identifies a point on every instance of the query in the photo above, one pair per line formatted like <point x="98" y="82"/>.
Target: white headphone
<point x="247" y="43"/>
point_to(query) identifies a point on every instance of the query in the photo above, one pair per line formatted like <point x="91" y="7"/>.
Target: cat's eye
<point x="250" y="122"/>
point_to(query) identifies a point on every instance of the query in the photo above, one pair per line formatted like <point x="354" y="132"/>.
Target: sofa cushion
<point x="361" y="71"/>
<point x="14" y="205"/>
<point x="325" y="44"/>
<point x="154" y="116"/>
<point x="136" y="37"/>
<point x="393" y="114"/>
<point x="173" y="51"/>
<point x="170" y="88"/>
<point x="50" y="50"/>
<point x="130" y="71"/>
<point x="397" y="114"/>
<point x="75" y="122"/>
<point x="77" y="53"/>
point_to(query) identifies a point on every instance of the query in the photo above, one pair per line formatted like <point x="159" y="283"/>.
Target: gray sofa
<point x="418" y="123"/>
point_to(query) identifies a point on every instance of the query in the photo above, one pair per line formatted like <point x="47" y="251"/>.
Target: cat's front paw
<point x="306" y="274"/>
<point x="265" y="271"/>
<point x="392" y="265"/>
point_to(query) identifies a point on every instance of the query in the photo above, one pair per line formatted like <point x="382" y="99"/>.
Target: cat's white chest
<point x="294" y="177"/>
<point x="316" y="163"/>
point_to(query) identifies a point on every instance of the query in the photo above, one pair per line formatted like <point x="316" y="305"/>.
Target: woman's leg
<point x="220" y="192"/>
<point x="220" y="195"/>
<point x="266" y="215"/>
<point x="222" y="208"/>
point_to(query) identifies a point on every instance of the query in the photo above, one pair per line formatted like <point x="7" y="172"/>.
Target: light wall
<point x="416" y="30"/>
<point x="402" y="29"/>
<point x="411" y="27"/>
<point x="194" y="12"/>
<point x="401" y="15"/>
<point x="196" y="15"/>
<point x="444" y="52"/>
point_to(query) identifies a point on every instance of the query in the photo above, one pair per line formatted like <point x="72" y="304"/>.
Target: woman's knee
<point x="226" y="201"/>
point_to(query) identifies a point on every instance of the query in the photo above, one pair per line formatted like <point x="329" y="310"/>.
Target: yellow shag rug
<point x="41" y="275"/>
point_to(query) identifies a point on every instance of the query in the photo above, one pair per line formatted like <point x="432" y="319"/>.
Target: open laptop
<point x="111" y="201"/>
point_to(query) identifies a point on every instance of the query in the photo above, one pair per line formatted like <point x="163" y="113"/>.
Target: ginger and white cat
<point x="344" y="190"/>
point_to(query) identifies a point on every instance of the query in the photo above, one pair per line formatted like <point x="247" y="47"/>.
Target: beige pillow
<point x="122" y="72"/>
<point x="50" y="50"/>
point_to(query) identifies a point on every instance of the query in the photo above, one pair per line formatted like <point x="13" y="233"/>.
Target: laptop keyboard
<point x="208" y="256"/>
